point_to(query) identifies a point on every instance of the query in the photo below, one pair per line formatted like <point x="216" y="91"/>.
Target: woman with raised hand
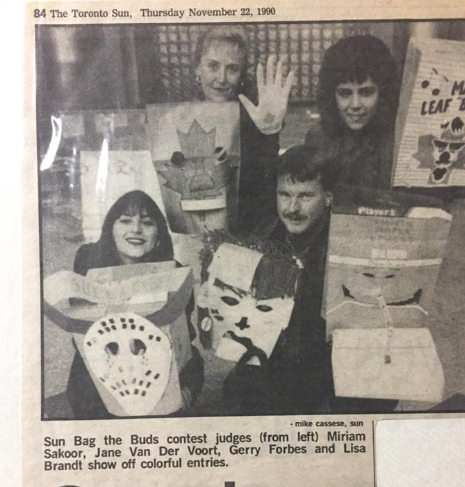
<point x="221" y="73"/>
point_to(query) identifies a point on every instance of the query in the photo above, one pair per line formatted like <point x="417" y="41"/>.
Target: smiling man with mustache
<point x="300" y="203"/>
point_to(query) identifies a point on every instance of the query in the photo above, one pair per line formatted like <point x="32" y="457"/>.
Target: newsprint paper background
<point x="96" y="74"/>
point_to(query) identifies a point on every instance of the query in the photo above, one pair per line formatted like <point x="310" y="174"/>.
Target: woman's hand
<point x="273" y="95"/>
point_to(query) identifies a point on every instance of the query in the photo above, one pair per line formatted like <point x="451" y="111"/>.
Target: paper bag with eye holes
<point x="367" y="363"/>
<point x="246" y="315"/>
<point x="158" y="292"/>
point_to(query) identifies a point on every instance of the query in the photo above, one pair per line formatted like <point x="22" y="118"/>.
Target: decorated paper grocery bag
<point x="387" y="363"/>
<point x="249" y="299"/>
<point x="129" y="325"/>
<point x="108" y="175"/>
<point x="196" y="151"/>
<point x="430" y="126"/>
<point x="393" y="252"/>
<point x="63" y="136"/>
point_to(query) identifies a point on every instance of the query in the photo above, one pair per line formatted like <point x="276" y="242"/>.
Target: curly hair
<point x="354" y="60"/>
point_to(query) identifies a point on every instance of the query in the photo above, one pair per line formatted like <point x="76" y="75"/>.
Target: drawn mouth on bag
<point x="415" y="299"/>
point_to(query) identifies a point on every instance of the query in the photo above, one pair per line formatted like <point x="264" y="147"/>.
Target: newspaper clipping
<point x="243" y="239"/>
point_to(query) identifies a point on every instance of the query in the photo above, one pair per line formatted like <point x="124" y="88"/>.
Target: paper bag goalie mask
<point x="196" y="152"/>
<point x="129" y="325"/>
<point x="131" y="359"/>
<point x="249" y="297"/>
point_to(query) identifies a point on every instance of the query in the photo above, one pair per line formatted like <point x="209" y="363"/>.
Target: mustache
<point x="294" y="216"/>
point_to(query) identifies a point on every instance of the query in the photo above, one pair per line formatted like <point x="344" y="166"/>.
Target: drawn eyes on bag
<point x="369" y="274"/>
<point x="452" y="146"/>
<point x="264" y="308"/>
<point x="178" y="159"/>
<point x="112" y="348"/>
<point x="136" y="346"/>
<point x="230" y="301"/>
<point x="220" y="154"/>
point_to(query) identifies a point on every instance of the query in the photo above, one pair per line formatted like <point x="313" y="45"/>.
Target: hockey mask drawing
<point x="249" y="298"/>
<point x="443" y="153"/>
<point x="131" y="357"/>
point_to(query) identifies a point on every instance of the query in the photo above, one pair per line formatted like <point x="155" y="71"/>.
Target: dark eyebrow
<point x="368" y="88"/>
<point x="222" y="285"/>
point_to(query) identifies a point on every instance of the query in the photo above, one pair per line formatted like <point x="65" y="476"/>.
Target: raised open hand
<point x="273" y="95"/>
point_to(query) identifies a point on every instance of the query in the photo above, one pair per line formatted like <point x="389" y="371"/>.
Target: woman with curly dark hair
<point x="357" y="100"/>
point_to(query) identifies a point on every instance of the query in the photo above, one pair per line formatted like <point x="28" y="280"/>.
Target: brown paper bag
<point x="430" y="126"/>
<point x="371" y="364"/>
<point x="390" y="252"/>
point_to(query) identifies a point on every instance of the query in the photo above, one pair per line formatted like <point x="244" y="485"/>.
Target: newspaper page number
<point x="39" y="13"/>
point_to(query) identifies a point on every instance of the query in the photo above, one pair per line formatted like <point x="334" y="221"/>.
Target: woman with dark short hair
<point x="357" y="100"/>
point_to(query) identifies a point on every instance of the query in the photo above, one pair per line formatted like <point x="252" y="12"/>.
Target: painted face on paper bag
<point x="398" y="286"/>
<point x="246" y="324"/>
<point x="198" y="175"/>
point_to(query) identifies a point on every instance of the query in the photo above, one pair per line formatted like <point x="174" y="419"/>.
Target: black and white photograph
<point x="251" y="219"/>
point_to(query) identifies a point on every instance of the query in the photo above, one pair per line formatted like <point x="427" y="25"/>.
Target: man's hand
<point x="273" y="95"/>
